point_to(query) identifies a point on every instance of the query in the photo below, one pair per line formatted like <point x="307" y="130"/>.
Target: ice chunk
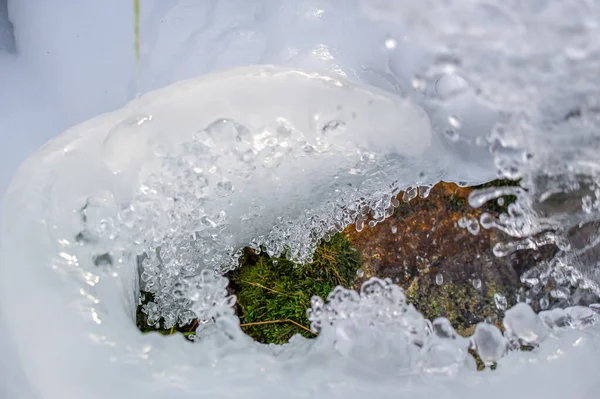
<point x="555" y="318"/>
<point x="500" y="301"/>
<point x="580" y="316"/>
<point x="489" y="342"/>
<point x="523" y="324"/>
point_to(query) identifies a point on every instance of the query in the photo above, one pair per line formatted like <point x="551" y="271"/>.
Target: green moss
<point x="455" y="203"/>
<point x="462" y="304"/>
<point x="270" y="290"/>
<point x="499" y="183"/>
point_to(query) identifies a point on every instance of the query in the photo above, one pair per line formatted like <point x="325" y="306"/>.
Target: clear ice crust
<point x="368" y="98"/>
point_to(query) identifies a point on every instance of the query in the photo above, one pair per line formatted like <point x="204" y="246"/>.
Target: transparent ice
<point x="368" y="98"/>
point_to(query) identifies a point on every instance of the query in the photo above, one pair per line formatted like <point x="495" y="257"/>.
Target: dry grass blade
<point x="261" y="323"/>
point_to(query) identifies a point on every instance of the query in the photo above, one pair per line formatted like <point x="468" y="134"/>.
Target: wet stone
<point x="428" y="242"/>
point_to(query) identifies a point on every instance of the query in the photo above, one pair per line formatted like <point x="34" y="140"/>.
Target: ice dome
<point x="273" y="125"/>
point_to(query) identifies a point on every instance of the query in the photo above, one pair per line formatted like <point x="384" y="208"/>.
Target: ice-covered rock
<point x="420" y="86"/>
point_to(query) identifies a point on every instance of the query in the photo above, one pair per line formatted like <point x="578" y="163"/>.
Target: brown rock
<point x="423" y="240"/>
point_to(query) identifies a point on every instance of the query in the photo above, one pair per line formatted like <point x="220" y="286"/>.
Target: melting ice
<point x="278" y="157"/>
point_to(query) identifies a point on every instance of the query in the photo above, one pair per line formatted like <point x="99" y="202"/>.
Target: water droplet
<point x="360" y="273"/>
<point x="409" y="194"/>
<point x="500" y="301"/>
<point x="439" y="279"/>
<point x="486" y="220"/>
<point x="473" y="226"/>
<point x="424" y="191"/>
<point x="394" y="229"/>
<point x="500" y="201"/>
<point x="360" y="225"/>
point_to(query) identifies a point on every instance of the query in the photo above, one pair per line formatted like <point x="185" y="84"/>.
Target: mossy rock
<point x="462" y="304"/>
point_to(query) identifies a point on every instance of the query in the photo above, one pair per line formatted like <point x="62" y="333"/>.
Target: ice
<point x="500" y="301"/>
<point x="439" y="279"/>
<point x="521" y="323"/>
<point x="265" y="156"/>
<point x="489" y="343"/>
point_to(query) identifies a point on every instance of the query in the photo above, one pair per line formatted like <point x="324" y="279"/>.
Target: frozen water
<point x="439" y="279"/>
<point x="489" y="343"/>
<point x="500" y="301"/>
<point x="370" y="97"/>
<point x="523" y="325"/>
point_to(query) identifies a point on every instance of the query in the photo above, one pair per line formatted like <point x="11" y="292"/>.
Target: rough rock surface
<point x="444" y="268"/>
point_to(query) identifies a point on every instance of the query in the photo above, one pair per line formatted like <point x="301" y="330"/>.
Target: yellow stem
<point x="136" y="10"/>
<point x="266" y="288"/>
<point x="260" y="323"/>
